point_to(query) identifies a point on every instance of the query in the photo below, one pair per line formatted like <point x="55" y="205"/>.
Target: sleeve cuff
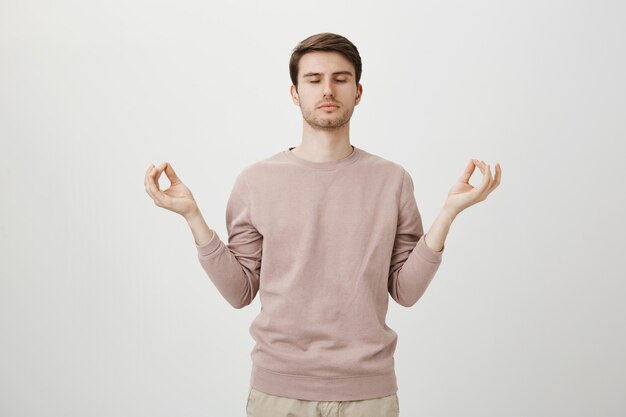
<point x="427" y="252"/>
<point x="208" y="248"/>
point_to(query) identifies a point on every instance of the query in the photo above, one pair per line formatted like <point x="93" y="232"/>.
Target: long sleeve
<point x="413" y="263"/>
<point x="328" y="231"/>
<point x="235" y="267"/>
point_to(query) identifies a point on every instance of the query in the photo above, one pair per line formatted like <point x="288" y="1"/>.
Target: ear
<point x="359" y="93"/>
<point x="294" y="95"/>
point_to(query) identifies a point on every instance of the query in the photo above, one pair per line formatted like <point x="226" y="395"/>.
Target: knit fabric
<point x="324" y="244"/>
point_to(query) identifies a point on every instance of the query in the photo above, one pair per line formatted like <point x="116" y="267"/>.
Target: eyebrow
<point x="313" y="74"/>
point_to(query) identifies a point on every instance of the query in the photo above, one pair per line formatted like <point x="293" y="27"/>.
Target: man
<point x="325" y="232"/>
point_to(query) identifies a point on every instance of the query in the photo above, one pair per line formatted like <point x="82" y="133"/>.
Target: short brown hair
<point x="325" y="41"/>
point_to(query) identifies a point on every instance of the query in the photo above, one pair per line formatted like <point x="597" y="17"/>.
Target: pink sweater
<point x="324" y="245"/>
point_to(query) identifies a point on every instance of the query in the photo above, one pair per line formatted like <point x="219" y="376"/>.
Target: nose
<point x="328" y="89"/>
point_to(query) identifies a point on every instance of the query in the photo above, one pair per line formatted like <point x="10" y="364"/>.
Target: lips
<point x="328" y="106"/>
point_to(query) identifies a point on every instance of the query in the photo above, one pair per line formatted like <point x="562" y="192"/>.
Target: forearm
<point x="436" y="235"/>
<point x="233" y="268"/>
<point x="201" y="232"/>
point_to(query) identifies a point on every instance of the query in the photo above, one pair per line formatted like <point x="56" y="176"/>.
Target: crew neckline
<point x="324" y="166"/>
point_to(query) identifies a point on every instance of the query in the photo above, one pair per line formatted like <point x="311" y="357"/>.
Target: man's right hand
<point x="177" y="197"/>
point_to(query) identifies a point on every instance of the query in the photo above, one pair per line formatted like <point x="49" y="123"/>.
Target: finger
<point x="148" y="180"/>
<point x="156" y="174"/>
<point x="481" y="165"/>
<point x="496" y="180"/>
<point x="488" y="171"/>
<point x="485" y="165"/>
<point x="469" y="170"/>
<point x="145" y="179"/>
<point x="153" y="187"/>
<point x="489" y="179"/>
<point x="169" y="171"/>
<point x="476" y="191"/>
<point x="484" y="184"/>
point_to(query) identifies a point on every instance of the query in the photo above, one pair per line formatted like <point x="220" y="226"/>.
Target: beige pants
<point x="261" y="404"/>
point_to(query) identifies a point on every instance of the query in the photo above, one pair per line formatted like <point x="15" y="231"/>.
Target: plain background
<point x="104" y="308"/>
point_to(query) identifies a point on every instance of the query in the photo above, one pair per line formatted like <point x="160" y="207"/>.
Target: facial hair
<point x="332" y="121"/>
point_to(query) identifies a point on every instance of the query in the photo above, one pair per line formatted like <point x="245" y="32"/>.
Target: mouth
<point x="329" y="106"/>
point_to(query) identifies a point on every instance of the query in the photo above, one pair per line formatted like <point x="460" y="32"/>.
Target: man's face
<point x="323" y="78"/>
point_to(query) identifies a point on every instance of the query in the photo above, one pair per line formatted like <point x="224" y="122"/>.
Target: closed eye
<point x="339" y="81"/>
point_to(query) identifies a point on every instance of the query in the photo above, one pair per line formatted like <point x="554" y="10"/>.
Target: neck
<point x="324" y="145"/>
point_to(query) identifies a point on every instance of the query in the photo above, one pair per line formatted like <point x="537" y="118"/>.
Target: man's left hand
<point x="463" y="195"/>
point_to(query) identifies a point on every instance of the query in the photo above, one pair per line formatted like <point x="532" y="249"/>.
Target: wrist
<point x="193" y="215"/>
<point x="449" y="211"/>
<point x="448" y="214"/>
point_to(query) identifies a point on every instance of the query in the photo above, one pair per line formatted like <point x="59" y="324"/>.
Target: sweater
<point x="324" y="244"/>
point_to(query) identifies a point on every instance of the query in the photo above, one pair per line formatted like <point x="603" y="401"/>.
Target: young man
<point x="325" y="232"/>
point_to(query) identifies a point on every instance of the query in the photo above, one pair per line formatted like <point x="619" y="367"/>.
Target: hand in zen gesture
<point x="177" y="198"/>
<point x="463" y="195"/>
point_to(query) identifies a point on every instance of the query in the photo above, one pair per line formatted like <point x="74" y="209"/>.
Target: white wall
<point x="104" y="309"/>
